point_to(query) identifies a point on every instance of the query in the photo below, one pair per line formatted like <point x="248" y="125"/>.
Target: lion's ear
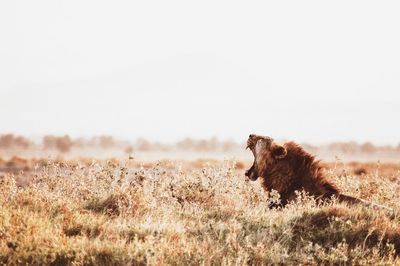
<point x="278" y="151"/>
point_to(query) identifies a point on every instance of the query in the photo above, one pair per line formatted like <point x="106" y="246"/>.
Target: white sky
<point x="314" y="71"/>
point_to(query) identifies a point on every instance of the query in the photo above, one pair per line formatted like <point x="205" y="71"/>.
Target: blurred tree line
<point x="65" y="143"/>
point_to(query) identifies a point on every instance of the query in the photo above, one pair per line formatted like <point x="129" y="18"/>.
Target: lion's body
<point x="297" y="171"/>
<point x="289" y="168"/>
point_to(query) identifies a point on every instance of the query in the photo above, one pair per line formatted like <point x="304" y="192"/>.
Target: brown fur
<point x="288" y="168"/>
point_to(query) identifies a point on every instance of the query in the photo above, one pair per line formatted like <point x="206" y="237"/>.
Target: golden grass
<point x="119" y="213"/>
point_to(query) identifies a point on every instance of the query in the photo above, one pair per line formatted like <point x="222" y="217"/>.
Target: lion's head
<point x="265" y="152"/>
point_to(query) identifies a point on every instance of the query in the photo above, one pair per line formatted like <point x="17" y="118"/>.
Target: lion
<point x="289" y="168"/>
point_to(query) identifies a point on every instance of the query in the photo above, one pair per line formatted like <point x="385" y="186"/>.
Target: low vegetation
<point x="122" y="213"/>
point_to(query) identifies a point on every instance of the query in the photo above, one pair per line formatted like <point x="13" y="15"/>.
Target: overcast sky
<point x="315" y="71"/>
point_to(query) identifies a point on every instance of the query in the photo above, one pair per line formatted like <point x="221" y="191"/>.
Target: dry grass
<point x="118" y="213"/>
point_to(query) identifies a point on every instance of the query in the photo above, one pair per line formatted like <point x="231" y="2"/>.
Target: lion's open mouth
<point x="251" y="173"/>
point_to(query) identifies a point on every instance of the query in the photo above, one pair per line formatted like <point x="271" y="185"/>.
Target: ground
<point x="119" y="212"/>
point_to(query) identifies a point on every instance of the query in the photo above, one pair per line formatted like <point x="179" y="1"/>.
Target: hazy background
<point x="313" y="71"/>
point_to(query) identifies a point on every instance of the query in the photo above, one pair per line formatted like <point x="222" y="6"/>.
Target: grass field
<point x="89" y="212"/>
